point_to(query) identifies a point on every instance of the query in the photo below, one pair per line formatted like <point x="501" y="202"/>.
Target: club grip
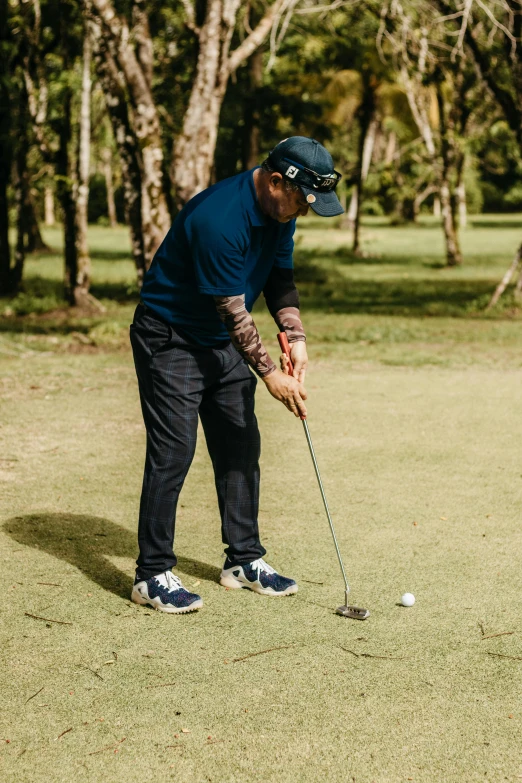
<point x="285" y="348"/>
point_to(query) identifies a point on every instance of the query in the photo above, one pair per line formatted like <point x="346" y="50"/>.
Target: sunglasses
<point x="322" y="183"/>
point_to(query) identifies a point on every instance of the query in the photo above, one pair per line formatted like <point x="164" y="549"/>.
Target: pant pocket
<point x="154" y="333"/>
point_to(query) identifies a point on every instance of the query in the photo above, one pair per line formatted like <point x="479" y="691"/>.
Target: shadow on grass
<point x="50" y="316"/>
<point x="118" y="291"/>
<point x="483" y="222"/>
<point x="53" y="323"/>
<point x="398" y="297"/>
<point x="324" y="282"/>
<point x="199" y="570"/>
<point x="37" y="292"/>
<point x="107" y="254"/>
<point x="324" y="287"/>
<point x="85" y="542"/>
<point x="322" y="290"/>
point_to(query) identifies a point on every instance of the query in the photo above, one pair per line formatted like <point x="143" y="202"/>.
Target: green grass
<point x="416" y="427"/>
<point x="397" y="293"/>
<point x="403" y="270"/>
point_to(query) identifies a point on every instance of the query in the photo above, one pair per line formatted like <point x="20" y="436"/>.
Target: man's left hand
<point x="299" y="358"/>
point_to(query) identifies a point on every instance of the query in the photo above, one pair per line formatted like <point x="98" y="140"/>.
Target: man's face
<point x="283" y="204"/>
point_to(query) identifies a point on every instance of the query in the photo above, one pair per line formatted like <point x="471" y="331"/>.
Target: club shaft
<point x="316" y="468"/>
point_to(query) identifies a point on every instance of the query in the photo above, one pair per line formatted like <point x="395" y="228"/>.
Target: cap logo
<point x="311" y="198"/>
<point x="291" y="172"/>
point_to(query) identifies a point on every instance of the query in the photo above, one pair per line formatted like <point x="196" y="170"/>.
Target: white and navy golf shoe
<point x="257" y="576"/>
<point x="165" y="593"/>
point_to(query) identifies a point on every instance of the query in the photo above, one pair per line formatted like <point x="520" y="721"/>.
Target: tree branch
<point x="141" y="31"/>
<point x="499" y="290"/>
<point x="191" y="17"/>
<point x="465" y="19"/>
<point x="276" y="37"/>
<point x="486" y="71"/>
<point x="118" y="33"/>
<point x="316" y="9"/>
<point x="498" y="24"/>
<point x="256" y="37"/>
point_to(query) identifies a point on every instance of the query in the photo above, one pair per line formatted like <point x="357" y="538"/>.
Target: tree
<point x="5" y="146"/>
<point x="52" y="36"/>
<point x="195" y="146"/>
<point x="15" y="145"/>
<point x="491" y="39"/>
<point x="432" y="79"/>
<point x="80" y="277"/>
<point x="251" y="114"/>
<point x="129" y="57"/>
<point x="106" y="158"/>
<point x="128" y="147"/>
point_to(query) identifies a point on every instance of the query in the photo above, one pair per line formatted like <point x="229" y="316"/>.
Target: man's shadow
<point x="86" y="542"/>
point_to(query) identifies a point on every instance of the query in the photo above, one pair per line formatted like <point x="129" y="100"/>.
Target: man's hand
<point x="299" y="358"/>
<point x="287" y="390"/>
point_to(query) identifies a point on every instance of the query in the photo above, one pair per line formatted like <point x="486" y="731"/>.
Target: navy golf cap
<point x="308" y="164"/>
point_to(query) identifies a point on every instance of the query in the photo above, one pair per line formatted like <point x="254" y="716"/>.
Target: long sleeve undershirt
<point x="283" y="302"/>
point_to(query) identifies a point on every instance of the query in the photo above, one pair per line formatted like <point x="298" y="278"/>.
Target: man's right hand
<point x="287" y="390"/>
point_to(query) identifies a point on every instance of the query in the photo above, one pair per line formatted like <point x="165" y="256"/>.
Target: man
<point x="195" y="343"/>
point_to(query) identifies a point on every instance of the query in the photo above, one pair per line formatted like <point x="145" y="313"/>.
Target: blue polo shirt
<point x="220" y="244"/>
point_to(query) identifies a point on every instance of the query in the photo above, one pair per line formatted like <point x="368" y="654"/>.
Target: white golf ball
<point x="408" y="599"/>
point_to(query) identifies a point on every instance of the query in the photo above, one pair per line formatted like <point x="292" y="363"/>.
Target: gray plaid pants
<point x="179" y="381"/>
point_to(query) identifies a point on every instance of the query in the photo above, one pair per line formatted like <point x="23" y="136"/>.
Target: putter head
<point x="355" y="612"/>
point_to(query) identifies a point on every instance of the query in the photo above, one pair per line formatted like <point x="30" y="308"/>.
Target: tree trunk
<point x="368" y="126"/>
<point x="34" y="239"/>
<point x="463" y="208"/>
<point x="80" y="282"/>
<point x="30" y="239"/>
<point x="142" y="36"/>
<point x="128" y="149"/>
<point x="391" y="147"/>
<point x="351" y="213"/>
<point x="21" y="199"/>
<point x="419" y="107"/>
<point x="251" y="129"/>
<point x="5" y="250"/>
<point x="65" y="193"/>
<point x="447" y="200"/>
<point x="37" y="103"/>
<point x="194" y="149"/>
<point x="499" y="290"/>
<point x="518" y="287"/>
<point x="109" y="184"/>
<point x="437" y="211"/>
<point x="453" y="254"/>
<point x="49" y="218"/>
<point x="341" y="195"/>
<point x="193" y="153"/>
<point x="5" y="150"/>
<point x="135" y="65"/>
<point x="460" y="192"/>
<point x="369" y="144"/>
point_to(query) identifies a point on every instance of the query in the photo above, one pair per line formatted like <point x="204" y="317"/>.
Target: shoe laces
<point x="173" y="581"/>
<point x="260" y="565"/>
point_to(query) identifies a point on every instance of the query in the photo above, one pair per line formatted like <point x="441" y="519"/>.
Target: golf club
<point x="354" y="612"/>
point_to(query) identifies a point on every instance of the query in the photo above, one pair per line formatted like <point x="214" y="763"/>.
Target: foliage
<point x="313" y="84"/>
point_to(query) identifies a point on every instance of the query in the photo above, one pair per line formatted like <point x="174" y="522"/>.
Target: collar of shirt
<point x="252" y="204"/>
